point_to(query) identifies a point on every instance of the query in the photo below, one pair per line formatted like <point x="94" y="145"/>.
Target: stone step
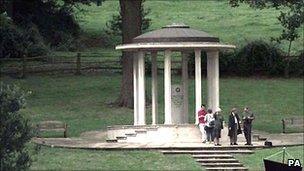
<point x="152" y="129"/>
<point x="111" y="140"/>
<point x="227" y="168"/>
<point x="230" y="160"/>
<point x="141" y="131"/>
<point x="207" y="151"/>
<point x="212" y="156"/>
<point x="130" y="134"/>
<point x="121" y="137"/>
<point x="221" y="164"/>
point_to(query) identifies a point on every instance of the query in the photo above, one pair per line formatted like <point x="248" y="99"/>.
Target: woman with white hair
<point x="218" y="126"/>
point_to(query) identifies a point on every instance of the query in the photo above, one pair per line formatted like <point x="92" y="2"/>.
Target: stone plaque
<point x="177" y="98"/>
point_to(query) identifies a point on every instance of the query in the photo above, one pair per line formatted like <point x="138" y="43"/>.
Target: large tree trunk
<point x="131" y="27"/>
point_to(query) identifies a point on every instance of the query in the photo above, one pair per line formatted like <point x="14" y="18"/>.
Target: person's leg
<point x="202" y="130"/>
<point x="208" y="134"/>
<point x="212" y="134"/>
<point x="249" y="137"/>
<point x="246" y="135"/>
<point x="235" y="137"/>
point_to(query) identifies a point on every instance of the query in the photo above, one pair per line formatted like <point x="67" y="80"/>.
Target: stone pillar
<point x="213" y="79"/>
<point x="185" y="87"/>
<point x="154" y="88"/>
<point x="198" y="83"/>
<point x="135" y="87"/>
<point x="141" y="89"/>
<point x="167" y="84"/>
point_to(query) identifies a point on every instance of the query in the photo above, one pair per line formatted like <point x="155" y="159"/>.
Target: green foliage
<point x="291" y="19"/>
<point x="114" y="26"/>
<point x="17" y="42"/>
<point x="255" y="58"/>
<point x="54" y="19"/>
<point x="15" y="130"/>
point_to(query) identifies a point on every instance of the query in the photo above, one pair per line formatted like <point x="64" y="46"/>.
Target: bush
<point x="255" y="58"/>
<point x="12" y="43"/>
<point x="17" y="42"/>
<point x="296" y="66"/>
<point x="15" y="131"/>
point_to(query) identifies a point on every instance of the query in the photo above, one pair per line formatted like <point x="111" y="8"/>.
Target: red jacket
<point x="201" y="116"/>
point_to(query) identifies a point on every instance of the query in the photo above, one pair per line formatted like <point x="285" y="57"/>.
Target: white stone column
<point x="141" y="89"/>
<point x="198" y="83"/>
<point x="185" y="87"/>
<point x="135" y="87"/>
<point x="213" y="79"/>
<point x="167" y="84"/>
<point x="154" y="88"/>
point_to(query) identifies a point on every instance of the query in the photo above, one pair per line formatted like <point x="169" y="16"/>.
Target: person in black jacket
<point x="234" y="126"/>
<point x="248" y="117"/>
<point x="218" y="126"/>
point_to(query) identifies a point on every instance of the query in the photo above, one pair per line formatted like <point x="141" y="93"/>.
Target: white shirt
<point x="208" y="118"/>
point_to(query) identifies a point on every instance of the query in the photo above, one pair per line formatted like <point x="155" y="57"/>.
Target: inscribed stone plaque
<point x="177" y="103"/>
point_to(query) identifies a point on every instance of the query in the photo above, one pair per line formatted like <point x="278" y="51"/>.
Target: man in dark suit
<point x="248" y="117"/>
<point x="234" y="126"/>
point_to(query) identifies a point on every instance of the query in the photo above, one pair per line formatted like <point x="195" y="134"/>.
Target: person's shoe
<point x="204" y="141"/>
<point x="235" y="144"/>
<point x="231" y="144"/>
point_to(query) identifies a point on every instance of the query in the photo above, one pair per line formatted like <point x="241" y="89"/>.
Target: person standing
<point x="202" y="123"/>
<point x="234" y="126"/>
<point x="218" y="126"/>
<point x="209" y="119"/>
<point x="248" y="117"/>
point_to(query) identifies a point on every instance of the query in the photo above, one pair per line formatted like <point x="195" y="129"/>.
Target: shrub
<point x="15" y="131"/>
<point x="255" y="58"/>
<point x="258" y="57"/>
<point x="16" y="42"/>
<point x="12" y="42"/>
<point x="296" y="65"/>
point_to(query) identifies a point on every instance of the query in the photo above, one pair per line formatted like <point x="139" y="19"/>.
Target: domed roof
<point x="175" y="33"/>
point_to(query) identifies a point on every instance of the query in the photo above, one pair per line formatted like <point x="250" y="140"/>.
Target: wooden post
<point x="23" y="74"/>
<point x="78" y="64"/>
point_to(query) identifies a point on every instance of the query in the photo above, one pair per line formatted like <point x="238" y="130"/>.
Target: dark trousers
<point x="233" y="137"/>
<point x="209" y="132"/>
<point x="247" y="133"/>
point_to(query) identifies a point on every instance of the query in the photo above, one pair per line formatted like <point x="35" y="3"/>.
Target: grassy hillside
<point x="232" y="25"/>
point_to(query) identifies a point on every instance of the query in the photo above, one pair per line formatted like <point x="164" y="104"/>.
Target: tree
<point x="54" y="19"/>
<point x="15" y="130"/>
<point x="131" y="27"/>
<point x="291" y="19"/>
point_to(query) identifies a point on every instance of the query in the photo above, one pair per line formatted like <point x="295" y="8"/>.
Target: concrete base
<point x="161" y="134"/>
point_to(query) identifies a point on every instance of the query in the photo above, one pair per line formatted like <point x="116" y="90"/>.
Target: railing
<point x="75" y="64"/>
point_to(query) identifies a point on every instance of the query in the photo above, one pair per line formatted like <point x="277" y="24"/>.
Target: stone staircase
<point x="215" y="158"/>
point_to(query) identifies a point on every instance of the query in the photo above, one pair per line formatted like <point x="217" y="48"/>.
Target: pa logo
<point x="294" y="162"/>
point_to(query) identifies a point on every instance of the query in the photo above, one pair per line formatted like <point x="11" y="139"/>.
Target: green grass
<point x="82" y="101"/>
<point x="232" y="25"/>
<point x="255" y="161"/>
<point x="76" y="159"/>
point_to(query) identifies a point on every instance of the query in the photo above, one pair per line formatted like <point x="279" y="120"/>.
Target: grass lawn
<point x="76" y="159"/>
<point x="231" y="25"/>
<point x="255" y="161"/>
<point x="81" y="101"/>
